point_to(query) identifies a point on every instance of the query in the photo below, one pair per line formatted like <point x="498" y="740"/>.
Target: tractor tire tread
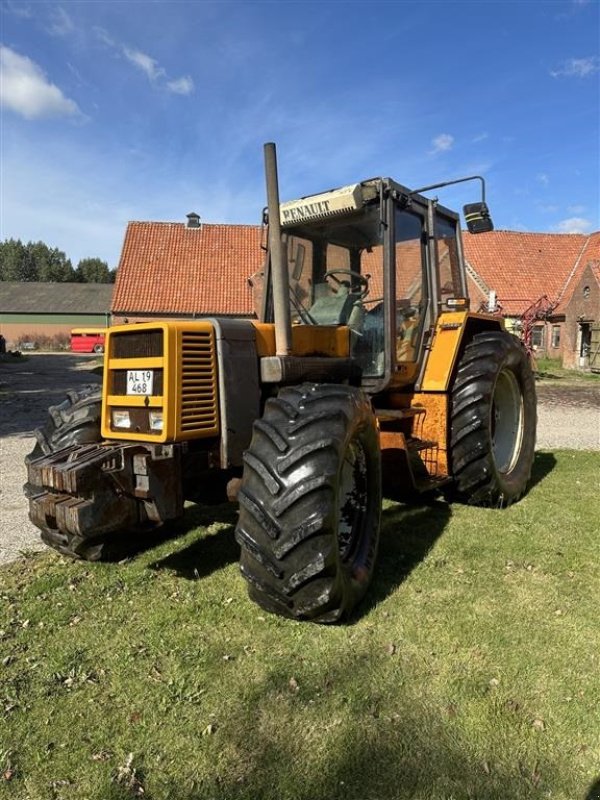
<point x="477" y="480"/>
<point x="289" y="551"/>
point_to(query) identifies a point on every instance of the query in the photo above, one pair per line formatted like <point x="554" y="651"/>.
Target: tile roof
<point x="35" y="297"/>
<point x="168" y="268"/>
<point x="522" y="267"/>
<point x="589" y="255"/>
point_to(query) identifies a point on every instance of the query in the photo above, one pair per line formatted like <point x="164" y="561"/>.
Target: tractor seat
<point x="332" y="308"/>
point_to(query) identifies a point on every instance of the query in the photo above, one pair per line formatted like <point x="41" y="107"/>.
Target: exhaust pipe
<point x="279" y="274"/>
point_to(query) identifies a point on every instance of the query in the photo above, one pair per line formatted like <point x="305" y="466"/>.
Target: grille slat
<point x="198" y="382"/>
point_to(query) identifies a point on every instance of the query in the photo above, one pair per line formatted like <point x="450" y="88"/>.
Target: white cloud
<point x="481" y="137"/>
<point x="574" y="225"/>
<point x="576" y="209"/>
<point x="144" y="62"/>
<point x="542" y="178"/>
<point x="156" y="74"/>
<point x="184" y="85"/>
<point x="61" y="23"/>
<point x="577" y="68"/>
<point x="442" y="143"/>
<point x="18" y="9"/>
<point x="27" y="91"/>
<point x="103" y="37"/>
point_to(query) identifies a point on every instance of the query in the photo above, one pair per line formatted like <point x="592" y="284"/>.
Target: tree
<point x="28" y="269"/>
<point x="53" y="265"/>
<point x="35" y="261"/>
<point x="93" y="270"/>
<point x="12" y="253"/>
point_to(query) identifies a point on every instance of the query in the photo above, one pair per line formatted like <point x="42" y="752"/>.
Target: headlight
<point x="121" y="419"/>
<point x="156" y="420"/>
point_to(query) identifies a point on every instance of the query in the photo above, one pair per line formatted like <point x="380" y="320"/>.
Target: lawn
<point x="551" y="369"/>
<point x="471" y="671"/>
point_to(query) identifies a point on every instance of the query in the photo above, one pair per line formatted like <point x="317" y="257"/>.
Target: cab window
<point x="447" y="258"/>
<point x="410" y="280"/>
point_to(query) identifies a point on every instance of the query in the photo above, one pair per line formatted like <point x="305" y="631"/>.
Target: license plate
<point x="139" y="381"/>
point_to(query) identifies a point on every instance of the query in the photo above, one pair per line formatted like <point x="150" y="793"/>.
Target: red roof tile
<point x="522" y="267"/>
<point x="168" y="268"/>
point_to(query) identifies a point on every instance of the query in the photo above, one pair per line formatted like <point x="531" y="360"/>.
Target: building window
<point x="537" y="337"/>
<point x="556" y="336"/>
<point x="586" y="292"/>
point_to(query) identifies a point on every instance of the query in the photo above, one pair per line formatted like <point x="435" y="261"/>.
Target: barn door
<point x="595" y="347"/>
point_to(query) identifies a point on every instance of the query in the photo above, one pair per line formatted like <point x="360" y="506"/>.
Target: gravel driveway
<point x="27" y="388"/>
<point x="568" y="417"/>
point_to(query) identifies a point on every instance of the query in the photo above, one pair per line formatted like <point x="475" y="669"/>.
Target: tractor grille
<point x="145" y="344"/>
<point x="179" y="359"/>
<point x="198" y="381"/>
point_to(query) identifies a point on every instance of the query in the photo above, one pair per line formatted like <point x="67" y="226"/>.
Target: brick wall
<point x="584" y="307"/>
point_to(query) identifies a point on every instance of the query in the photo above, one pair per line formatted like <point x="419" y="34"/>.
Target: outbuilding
<point x="45" y="313"/>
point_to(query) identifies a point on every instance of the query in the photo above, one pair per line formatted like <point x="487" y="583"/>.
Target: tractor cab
<point x="379" y="259"/>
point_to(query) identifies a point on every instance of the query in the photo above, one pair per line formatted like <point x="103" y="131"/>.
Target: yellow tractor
<point x="365" y="372"/>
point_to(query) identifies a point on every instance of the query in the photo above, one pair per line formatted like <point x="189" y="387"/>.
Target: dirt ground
<point x="568" y="417"/>
<point x="580" y="394"/>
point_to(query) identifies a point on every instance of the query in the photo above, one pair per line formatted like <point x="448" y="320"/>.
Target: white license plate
<point x="139" y="381"/>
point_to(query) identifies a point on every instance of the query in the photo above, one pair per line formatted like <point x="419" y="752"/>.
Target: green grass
<point x="549" y="369"/>
<point x="471" y="671"/>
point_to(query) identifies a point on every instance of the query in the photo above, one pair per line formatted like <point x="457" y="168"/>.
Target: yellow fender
<point x="450" y="332"/>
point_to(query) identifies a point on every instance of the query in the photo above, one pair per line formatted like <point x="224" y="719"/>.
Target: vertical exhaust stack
<point x="279" y="275"/>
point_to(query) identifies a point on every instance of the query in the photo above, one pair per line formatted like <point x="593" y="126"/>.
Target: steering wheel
<point x="363" y="280"/>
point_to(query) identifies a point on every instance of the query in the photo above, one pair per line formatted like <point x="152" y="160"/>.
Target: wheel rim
<point x="506" y="421"/>
<point x="352" y="500"/>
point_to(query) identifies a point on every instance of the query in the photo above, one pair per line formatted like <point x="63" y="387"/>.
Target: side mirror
<point x="477" y="217"/>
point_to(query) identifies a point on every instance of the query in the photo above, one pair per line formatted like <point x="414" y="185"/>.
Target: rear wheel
<point x="493" y="419"/>
<point x="310" y="503"/>
<point x="75" y="421"/>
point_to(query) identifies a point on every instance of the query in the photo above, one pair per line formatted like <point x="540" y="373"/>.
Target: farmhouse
<point x="188" y="269"/>
<point x="546" y="286"/>
<point x="33" y="311"/>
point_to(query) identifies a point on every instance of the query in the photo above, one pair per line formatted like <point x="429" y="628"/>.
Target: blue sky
<point x="118" y="111"/>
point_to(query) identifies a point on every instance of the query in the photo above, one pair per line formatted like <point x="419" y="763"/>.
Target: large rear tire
<point x="74" y="421"/>
<point x="310" y="503"/>
<point x="493" y="421"/>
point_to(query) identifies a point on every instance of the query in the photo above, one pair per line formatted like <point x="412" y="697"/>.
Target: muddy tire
<point x="310" y="503"/>
<point x="493" y="421"/>
<point x="72" y="422"/>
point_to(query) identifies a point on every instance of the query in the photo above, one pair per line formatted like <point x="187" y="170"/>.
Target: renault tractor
<point x="365" y="372"/>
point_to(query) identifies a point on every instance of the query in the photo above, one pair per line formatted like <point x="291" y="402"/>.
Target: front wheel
<point x="76" y="421"/>
<point x="493" y="420"/>
<point x="310" y="503"/>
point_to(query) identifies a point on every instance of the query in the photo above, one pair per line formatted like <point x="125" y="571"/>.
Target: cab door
<point x="412" y="290"/>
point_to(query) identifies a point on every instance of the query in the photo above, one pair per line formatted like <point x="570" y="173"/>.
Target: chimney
<point x="193" y="220"/>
